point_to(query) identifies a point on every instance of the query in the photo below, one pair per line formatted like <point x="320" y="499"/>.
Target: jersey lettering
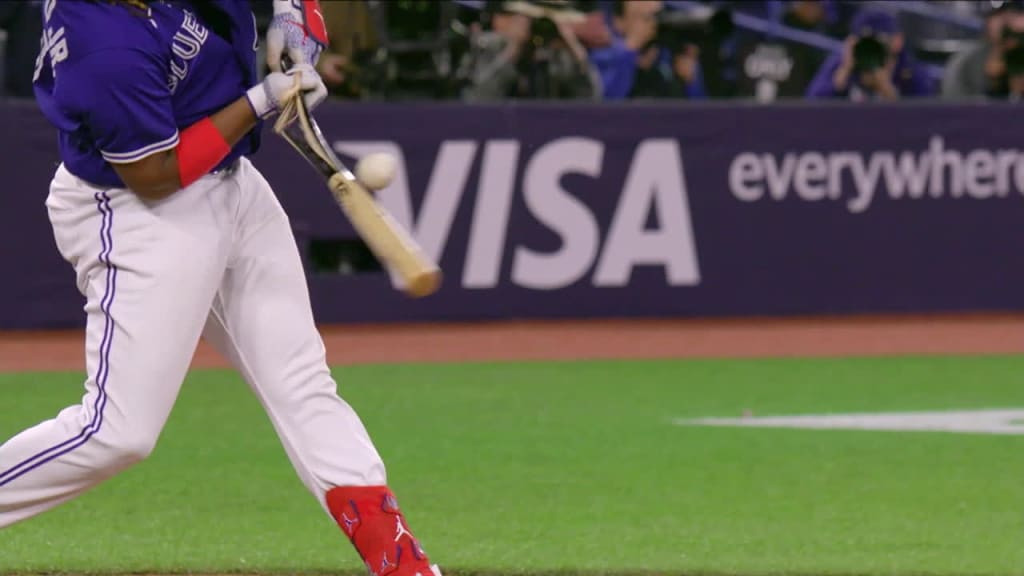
<point x="255" y="34"/>
<point x="53" y="45"/>
<point x="186" y="45"/>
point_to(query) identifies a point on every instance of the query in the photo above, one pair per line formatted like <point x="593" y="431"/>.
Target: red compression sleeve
<point x="200" y="149"/>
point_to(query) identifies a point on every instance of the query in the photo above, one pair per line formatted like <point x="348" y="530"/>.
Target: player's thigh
<point x="149" y="273"/>
<point x="264" y="300"/>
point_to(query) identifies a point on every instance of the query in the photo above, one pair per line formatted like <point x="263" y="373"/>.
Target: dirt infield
<point x="861" y="336"/>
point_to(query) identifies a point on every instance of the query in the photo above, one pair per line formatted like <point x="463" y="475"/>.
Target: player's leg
<point x="262" y="321"/>
<point x="149" y="275"/>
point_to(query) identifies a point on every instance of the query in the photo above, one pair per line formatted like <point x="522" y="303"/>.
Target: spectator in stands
<point x="1010" y="61"/>
<point x="778" y="68"/>
<point x="812" y="16"/>
<point x="980" y="70"/>
<point x="23" y="22"/>
<point x="519" y="56"/>
<point x="872" y="65"/>
<point x="594" y="31"/>
<point x="634" y="28"/>
<point x="351" y="31"/>
<point x="669" y="73"/>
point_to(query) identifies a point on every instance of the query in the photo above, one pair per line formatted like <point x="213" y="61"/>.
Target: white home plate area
<point x="1001" y="421"/>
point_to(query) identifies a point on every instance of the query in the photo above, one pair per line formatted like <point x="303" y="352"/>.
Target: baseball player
<point x="174" y="235"/>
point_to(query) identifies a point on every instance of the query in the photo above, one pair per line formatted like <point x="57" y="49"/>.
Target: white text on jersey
<point x="186" y="45"/>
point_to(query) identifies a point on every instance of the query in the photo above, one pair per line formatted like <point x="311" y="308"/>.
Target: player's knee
<point x="137" y="449"/>
<point x="126" y="452"/>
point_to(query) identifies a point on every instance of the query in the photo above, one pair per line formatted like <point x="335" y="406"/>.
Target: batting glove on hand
<point x="265" y="97"/>
<point x="297" y="32"/>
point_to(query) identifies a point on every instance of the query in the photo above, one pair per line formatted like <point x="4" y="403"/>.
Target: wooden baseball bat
<point x="389" y="241"/>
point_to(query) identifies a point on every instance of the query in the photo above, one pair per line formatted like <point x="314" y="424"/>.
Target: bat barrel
<point x="423" y="284"/>
<point x="386" y="238"/>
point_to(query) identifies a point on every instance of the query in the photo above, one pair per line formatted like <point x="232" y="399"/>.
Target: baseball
<point x="376" y="171"/>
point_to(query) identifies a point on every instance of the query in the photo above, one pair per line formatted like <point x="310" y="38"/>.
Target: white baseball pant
<point x="217" y="259"/>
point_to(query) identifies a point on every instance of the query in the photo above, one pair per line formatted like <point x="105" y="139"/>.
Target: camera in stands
<point x="870" y="53"/>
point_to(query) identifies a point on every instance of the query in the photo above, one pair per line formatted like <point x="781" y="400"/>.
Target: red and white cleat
<point x="370" y="517"/>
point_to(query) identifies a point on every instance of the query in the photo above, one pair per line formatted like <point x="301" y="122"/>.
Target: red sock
<point x="370" y="517"/>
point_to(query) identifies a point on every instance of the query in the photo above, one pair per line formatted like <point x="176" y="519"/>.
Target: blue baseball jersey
<point x="120" y="83"/>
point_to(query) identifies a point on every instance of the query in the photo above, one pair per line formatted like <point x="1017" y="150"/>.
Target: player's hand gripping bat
<point x="386" y="238"/>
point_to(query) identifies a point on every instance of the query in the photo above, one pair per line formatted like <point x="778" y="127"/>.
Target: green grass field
<point x="569" y="467"/>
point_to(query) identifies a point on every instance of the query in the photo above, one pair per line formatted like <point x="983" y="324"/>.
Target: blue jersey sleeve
<point x="123" y="98"/>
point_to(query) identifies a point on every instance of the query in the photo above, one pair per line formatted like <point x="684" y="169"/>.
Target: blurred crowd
<point x="609" y="50"/>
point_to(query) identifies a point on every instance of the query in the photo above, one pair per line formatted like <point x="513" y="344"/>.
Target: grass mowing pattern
<point x="573" y="467"/>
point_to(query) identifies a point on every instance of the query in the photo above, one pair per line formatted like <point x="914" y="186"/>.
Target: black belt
<point x="229" y="169"/>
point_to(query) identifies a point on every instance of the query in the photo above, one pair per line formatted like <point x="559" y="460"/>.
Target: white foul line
<point x="1000" y="421"/>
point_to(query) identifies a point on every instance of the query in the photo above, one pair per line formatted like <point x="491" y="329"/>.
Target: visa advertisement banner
<point x="577" y="210"/>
